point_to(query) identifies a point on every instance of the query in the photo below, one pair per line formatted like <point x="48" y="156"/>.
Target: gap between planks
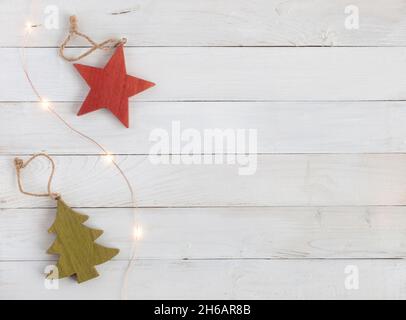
<point x="220" y="259"/>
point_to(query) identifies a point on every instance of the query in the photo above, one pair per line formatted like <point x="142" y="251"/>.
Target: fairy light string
<point x="46" y="105"/>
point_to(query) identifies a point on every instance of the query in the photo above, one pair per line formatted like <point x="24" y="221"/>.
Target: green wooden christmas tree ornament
<point x="75" y="242"/>
<point x="75" y="245"/>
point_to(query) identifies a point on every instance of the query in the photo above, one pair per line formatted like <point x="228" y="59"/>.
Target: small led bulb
<point x="45" y="104"/>
<point x="137" y="232"/>
<point x="108" y="157"/>
<point x="29" y="27"/>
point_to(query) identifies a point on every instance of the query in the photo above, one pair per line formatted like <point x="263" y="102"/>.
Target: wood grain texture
<point x="286" y="74"/>
<point x="75" y="246"/>
<point x="214" y="279"/>
<point x="212" y="22"/>
<point x="283" y="127"/>
<point x="222" y="233"/>
<point x="280" y="180"/>
<point x="290" y="230"/>
<point x="111" y="87"/>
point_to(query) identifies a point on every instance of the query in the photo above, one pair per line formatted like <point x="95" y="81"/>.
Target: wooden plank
<point x="201" y="233"/>
<point x="208" y="279"/>
<point x="284" y="74"/>
<point x="288" y="127"/>
<point x="211" y="22"/>
<point x="279" y="180"/>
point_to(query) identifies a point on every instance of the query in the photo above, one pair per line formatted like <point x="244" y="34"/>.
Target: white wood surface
<point x="330" y="187"/>
<point x="213" y="22"/>
<point x="222" y="233"/>
<point x="283" y="127"/>
<point x="286" y="74"/>
<point x="215" y="279"/>
<point x="280" y="180"/>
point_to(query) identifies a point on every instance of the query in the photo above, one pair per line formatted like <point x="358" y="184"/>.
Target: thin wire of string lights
<point x="108" y="156"/>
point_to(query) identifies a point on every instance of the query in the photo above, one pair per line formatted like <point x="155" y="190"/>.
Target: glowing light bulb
<point x="137" y="232"/>
<point x="45" y="104"/>
<point x="29" y="27"/>
<point x="108" y="157"/>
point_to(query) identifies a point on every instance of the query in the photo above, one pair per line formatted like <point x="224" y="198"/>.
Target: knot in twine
<point x="73" y="31"/>
<point x="20" y="165"/>
<point x="73" y="21"/>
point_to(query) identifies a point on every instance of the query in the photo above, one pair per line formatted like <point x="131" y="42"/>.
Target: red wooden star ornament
<point x="111" y="86"/>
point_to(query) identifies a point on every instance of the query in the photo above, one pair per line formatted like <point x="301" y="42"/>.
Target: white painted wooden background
<point x="330" y="188"/>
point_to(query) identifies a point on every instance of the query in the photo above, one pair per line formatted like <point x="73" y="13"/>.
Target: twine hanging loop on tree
<point x="75" y="242"/>
<point x="73" y="31"/>
<point x="20" y="165"/>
